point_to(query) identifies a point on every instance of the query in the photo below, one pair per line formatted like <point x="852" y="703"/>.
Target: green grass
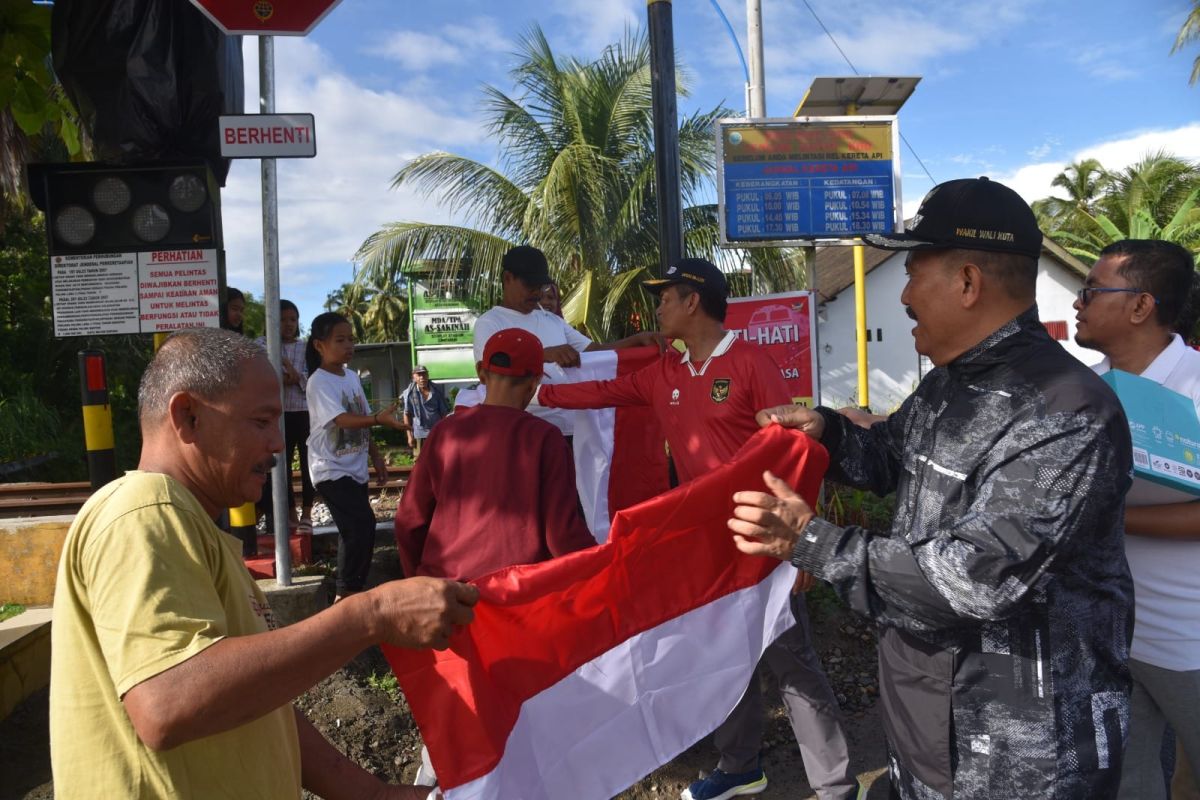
<point x="386" y="683"/>
<point x="822" y="601"/>
<point x="400" y="458"/>
<point x="847" y="506"/>
<point x="10" y="610"/>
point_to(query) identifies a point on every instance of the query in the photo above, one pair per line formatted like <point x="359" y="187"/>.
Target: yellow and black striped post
<point x="243" y="523"/>
<point x="97" y="418"/>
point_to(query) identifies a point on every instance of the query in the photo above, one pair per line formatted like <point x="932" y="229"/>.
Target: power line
<point x="850" y="63"/>
<point x="736" y="45"/>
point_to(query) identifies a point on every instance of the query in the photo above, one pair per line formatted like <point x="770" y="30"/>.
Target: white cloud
<point x="1032" y="181"/>
<point x="591" y="25"/>
<point x="1109" y="63"/>
<point x="877" y="37"/>
<point x="329" y="204"/>
<point x="1180" y="142"/>
<point x="455" y="44"/>
<point x="1045" y="148"/>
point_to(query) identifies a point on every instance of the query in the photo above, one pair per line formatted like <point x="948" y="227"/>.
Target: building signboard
<point x="812" y="178"/>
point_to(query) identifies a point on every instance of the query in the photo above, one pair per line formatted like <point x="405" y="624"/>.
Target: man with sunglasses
<point x="1128" y="310"/>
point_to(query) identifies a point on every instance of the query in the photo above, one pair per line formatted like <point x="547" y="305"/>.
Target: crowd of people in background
<point x="1039" y="621"/>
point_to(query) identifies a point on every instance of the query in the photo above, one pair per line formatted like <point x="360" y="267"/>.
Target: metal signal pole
<point x="281" y="476"/>
<point x="666" y="133"/>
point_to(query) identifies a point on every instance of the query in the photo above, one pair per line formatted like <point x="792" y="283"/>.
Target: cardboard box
<point x="1166" y="440"/>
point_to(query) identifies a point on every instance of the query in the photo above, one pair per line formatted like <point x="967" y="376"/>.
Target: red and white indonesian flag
<point x="582" y="674"/>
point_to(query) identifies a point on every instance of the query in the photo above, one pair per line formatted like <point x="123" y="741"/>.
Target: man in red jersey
<point x="705" y="401"/>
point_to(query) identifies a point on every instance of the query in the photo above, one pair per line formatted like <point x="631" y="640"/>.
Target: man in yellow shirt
<point x="169" y="677"/>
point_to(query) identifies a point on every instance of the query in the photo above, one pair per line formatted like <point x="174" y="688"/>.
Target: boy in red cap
<point x="495" y="486"/>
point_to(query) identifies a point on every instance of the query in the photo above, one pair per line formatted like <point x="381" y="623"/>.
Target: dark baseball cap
<point x="968" y="214"/>
<point x="521" y="353"/>
<point x="695" y="272"/>
<point x="420" y="368"/>
<point x="528" y="264"/>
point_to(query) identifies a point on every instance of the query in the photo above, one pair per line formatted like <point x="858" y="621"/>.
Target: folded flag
<point x="620" y="453"/>
<point x="582" y="674"/>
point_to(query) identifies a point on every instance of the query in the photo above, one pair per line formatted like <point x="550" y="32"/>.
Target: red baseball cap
<point x="513" y="351"/>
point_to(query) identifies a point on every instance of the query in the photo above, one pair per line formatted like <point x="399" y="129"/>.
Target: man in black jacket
<point x="1002" y="592"/>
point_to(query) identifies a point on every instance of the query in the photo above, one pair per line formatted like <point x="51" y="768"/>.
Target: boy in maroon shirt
<point x="495" y="486"/>
<point x="705" y="401"/>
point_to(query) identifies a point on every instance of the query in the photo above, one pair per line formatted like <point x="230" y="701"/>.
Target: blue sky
<point x="1014" y="90"/>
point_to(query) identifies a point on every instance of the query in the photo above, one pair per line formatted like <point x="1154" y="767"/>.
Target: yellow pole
<point x="860" y="311"/>
<point x="860" y="326"/>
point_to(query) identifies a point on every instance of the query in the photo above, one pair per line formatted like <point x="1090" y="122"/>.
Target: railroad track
<point x="52" y="499"/>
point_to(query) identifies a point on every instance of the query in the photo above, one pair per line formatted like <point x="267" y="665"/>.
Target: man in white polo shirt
<point x="1128" y="310"/>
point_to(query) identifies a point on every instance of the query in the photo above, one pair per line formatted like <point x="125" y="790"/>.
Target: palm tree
<point x="1190" y="32"/>
<point x="350" y="300"/>
<point x="385" y="318"/>
<point x="1156" y="198"/>
<point x="576" y="180"/>
<point x="1084" y="183"/>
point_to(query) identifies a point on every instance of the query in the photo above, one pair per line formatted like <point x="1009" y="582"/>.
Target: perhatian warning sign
<point x="178" y="289"/>
<point x="158" y="291"/>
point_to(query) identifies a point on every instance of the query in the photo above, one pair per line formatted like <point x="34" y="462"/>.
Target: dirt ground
<point x="363" y="715"/>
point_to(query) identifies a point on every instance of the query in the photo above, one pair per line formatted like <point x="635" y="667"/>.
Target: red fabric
<point x="704" y="432"/>
<point x="494" y="486"/>
<point x="638" y="468"/>
<point x="538" y="623"/>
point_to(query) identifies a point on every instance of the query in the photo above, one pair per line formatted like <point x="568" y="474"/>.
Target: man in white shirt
<point x="1128" y="310"/>
<point x="525" y="274"/>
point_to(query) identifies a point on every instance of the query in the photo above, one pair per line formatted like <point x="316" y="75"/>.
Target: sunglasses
<point x="1085" y="294"/>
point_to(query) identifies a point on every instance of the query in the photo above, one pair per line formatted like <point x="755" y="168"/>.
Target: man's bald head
<point x="204" y="362"/>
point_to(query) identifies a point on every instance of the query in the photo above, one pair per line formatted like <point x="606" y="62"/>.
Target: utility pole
<point x="757" y="90"/>
<point x="666" y="133"/>
<point x="281" y="475"/>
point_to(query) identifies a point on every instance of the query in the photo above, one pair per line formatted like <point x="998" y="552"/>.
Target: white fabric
<point x="335" y="452"/>
<point x="552" y="331"/>
<point x="1166" y="630"/>
<point x="594" y="443"/>
<point x="698" y="679"/>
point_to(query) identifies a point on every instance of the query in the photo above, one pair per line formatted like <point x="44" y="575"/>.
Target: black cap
<point x="528" y="264"/>
<point x="696" y="272"/>
<point x="968" y="214"/>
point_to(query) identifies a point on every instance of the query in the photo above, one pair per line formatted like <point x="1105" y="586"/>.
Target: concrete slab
<point x="24" y="656"/>
<point x="306" y="596"/>
<point x="29" y="553"/>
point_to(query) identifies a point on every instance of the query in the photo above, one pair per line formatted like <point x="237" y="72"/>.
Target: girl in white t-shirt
<point x="339" y="442"/>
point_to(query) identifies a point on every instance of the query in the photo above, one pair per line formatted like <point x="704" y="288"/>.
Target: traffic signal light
<point x="99" y="208"/>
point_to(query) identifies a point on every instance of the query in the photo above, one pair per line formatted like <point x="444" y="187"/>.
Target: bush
<point x="846" y="506"/>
